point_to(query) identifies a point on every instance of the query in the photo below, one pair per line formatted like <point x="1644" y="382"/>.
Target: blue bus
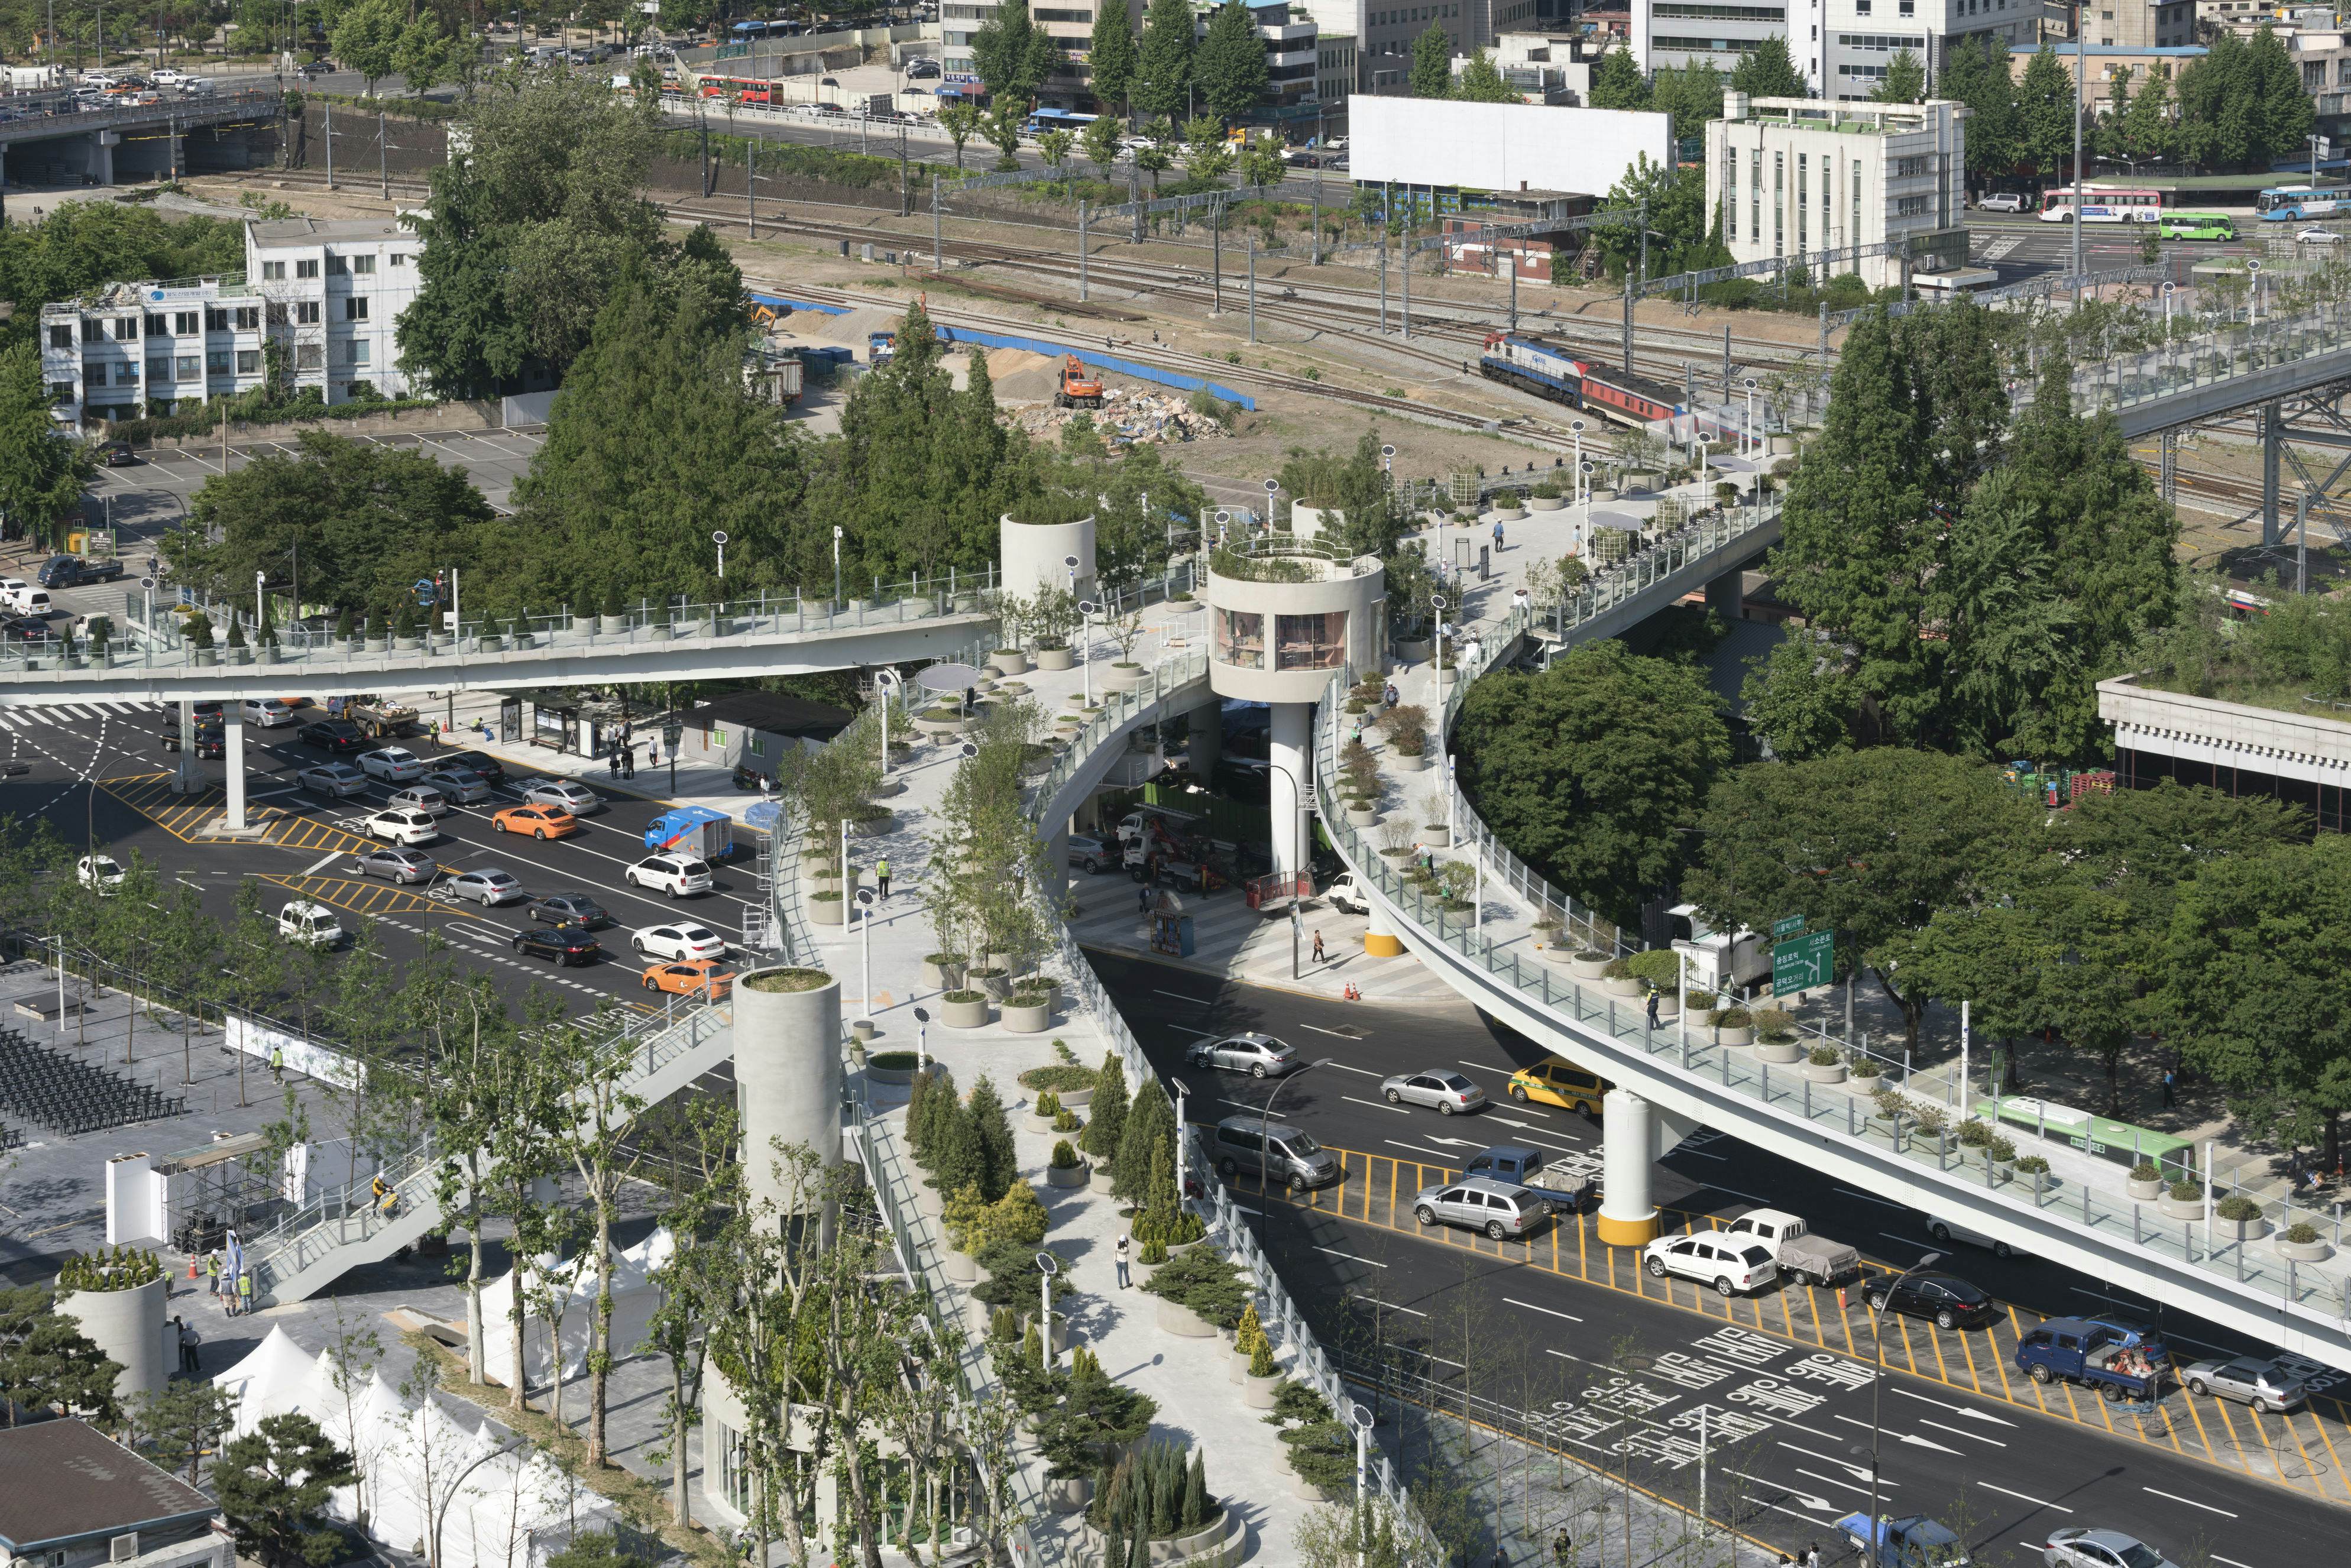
<point x="1046" y="119"/>
<point x="746" y="31"/>
<point x="2285" y="203"/>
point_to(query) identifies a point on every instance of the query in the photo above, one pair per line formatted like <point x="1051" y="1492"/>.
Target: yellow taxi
<point x="1556" y="1081"/>
<point x="538" y="821"/>
<point x="691" y="977"/>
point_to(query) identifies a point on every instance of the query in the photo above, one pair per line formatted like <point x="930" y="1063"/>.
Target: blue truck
<point x="696" y="830"/>
<point x="1916" y="1542"/>
<point x="2094" y="1354"/>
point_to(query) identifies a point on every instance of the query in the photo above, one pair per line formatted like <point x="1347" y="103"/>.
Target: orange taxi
<point x="691" y="977"/>
<point x="538" y="821"/>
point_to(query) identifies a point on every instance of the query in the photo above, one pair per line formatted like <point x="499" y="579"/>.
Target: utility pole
<point x="2080" y="69"/>
<point x="938" y="238"/>
<point x="329" y="139"/>
<point x="1404" y="254"/>
<point x="1383" y="280"/>
<point x="1628" y="322"/>
<point x="1726" y="361"/>
<point x="1314" y="246"/>
<point x="751" y="185"/>
<point x="1252" y="288"/>
<point x="383" y="158"/>
<point x="1216" y="254"/>
<point x="1081" y="251"/>
<point x="905" y="196"/>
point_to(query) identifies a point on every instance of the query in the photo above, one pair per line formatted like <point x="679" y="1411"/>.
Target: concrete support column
<point x="1727" y="594"/>
<point x="2273" y="422"/>
<point x="102" y="155"/>
<point x="1628" y="1143"/>
<point x="1380" y="939"/>
<point x="188" y="777"/>
<point x="1293" y="752"/>
<point x="787" y="1074"/>
<point x="232" y="753"/>
<point x="1057" y="863"/>
<point x="1208" y="738"/>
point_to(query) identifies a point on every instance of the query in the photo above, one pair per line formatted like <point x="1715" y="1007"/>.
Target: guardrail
<point x="1827" y="1115"/>
<point x="2121" y="381"/>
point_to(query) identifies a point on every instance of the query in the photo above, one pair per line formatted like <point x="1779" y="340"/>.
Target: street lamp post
<point x="922" y="1040"/>
<point x="1299" y="804"/>
<point x="836" y="566"/>
<point x="1047" y="1267"/>
<point x="719" y="538"/>
<point x="1360" y="1420"/>
<point x="1182" y="1090"/>
<point x="1877" y="1397"/>
<point x="1265" y="1116"/>
<point x="441" y="1514"/>
<point x="888" y="683"/>
<point x="1085" y="648"/>
<point x="1750" y="417"/>
<point x="865" y="900"/>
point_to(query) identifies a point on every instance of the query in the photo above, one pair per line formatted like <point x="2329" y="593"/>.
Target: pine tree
<point x="1769" y="71"/>
<point x="1012" y="55"/>
<point x="959" y="1159"/>
<point x="1482" y="82"/>
<point x="998" y="1167"/>
<point x="1111" y="57"/>
<point x="1976" y="74"/>
<point x="1432" y="64"/>
<point x="1106" y="1112"/>
<point x="1163" y="63"/>
<point x="1905" y="81"/>
<point x="1618" y="82"/>
<point x="1230" y="66"/>
<point x="1195" y="1492"/>
<point x="1149" y="1119"/>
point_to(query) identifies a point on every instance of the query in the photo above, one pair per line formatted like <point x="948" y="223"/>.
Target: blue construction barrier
<point x="1142" y="372"/>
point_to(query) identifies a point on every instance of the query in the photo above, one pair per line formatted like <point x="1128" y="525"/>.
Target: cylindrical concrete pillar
<point x="127" y="1326"/>
<point x="1291" y="748"/>
<point x="188" y="778"/>
<point x="787" y="1074"/>
<point x="1380" y="939"/>
<point x="1205" y="726"/>
<point x="1037" y="555"/>
<point x="1057" y="862"/>
<point x="1627" y="1217"/>
<point x="233" y="754"/>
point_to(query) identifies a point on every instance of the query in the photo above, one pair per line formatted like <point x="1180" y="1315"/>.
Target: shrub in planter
<point x="1323" y="1455"/>
<point x="1156" y="1491"/>
<point x="1095" y="1416"/>
<point x="2237" y="1209"/>
<point x="1066" y="1121"/>
<point x="1208" y="1284"/>
<point x="1060" y="1078"/>
<point x="1862" y="1067"/>
<point x="1261" y="1362"/>
<point x="1152" y="1253"/>
<point x="1013" y="1278"/>
<point x="2032" y="1165"/>
<point x="1774" y="1026"/>
<point x="2301" y="1233"/>
<point x="115" y="1269"/>
<point x="2002" y="1149"/>
<point x="1735" y="1017"/>
<point x="2147" y="1170"/>
<point x="1659" y="967"/>
<point x="1250" y="1333"/>
<point x="1975" y="1134"/>
<point x="2187" y="1190"/>
<point x="1930" y="1116"/>
<point x="1049" y="1105"/>
<point x="894" y="1060"/>
<point x="1065" y="1156"/>
<point x="1823" y="1056"/>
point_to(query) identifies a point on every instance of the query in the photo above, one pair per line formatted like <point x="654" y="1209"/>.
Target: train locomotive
<point x="1526" y="361"/>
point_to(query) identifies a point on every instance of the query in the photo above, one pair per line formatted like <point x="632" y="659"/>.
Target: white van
<point x="309" y="924"/>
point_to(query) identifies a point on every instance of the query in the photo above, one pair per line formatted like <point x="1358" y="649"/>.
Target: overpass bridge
<point x="56" y="146"/>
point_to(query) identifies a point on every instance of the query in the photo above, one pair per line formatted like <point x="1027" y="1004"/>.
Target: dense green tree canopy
<point x="82" y="245"/>
<point x="1905" y="81"/>
<point x="1163" y="63"/>
<point x="1618" y="83"/>
<point x="1692" y="94"/>
<point x="1482" y="82"/>
<point x="1976" y="74"/>
<point x="1013" y="54"/>
<point x="41" y="469"/>
<point x="1230" y="66"/>
<point x="1683" y="236"/>
<point x="1431" y="75"/>
<point x="1111" y="57"/>
<point x="1768" y="70"/>
<point x="274" y="1484"/>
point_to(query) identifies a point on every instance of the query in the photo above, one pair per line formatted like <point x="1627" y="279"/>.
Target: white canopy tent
<point x="635" y="1297"/>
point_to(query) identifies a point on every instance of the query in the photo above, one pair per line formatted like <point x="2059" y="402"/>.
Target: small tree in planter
<point x="236" y="634"/>
<point x="1053" y="616"/>
<point x="344" y="630"/>
<point x="1108" y="1121"/>
<point x="101" y="633"/>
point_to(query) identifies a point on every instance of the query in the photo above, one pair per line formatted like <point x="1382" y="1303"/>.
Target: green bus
<point x="2119" y="1142"/>
<point x="2198" y="225"/>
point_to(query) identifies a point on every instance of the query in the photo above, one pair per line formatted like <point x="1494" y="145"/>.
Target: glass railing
<point x="2121" y="381"/>
<point x="2108" y="1219"/>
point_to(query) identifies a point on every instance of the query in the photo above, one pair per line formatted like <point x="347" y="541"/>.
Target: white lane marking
<point x="1350" y="1067"/>
<point x="1702" y="1153"/>
<point x="1906" y="1240"/>
<point x="2231" y="1561"/>
<point x="2023" y="1496"/>
<point x="1335" y="1034"/>
<point x="1351" y="1256"/>
<point x="1376" y="1104"/>
<point x="1513" y="1300"/>
<point x="1954" y="1409"/>
<point x="1181" y="997"/>
<point x="1417" y="1149"/>
<point x="1394" y="1308"/>
<point x="2190" y="1501"/>
<point x="1832" y="1481"/>
<point x="1960" y="1432"/>
<point x="321" y="863"/>
<point x="1867" y="1198"/>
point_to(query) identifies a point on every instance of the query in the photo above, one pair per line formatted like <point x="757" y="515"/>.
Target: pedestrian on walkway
<point x="613" y="763"/>
<point x="1653" y="1004"/>
<point x="277" y="1064"/>
<point x="1562" y="1548"/>
<point x="881" y="875"/>
<point x="1118" y="1255"/>
<point x="1143" y="902"/>
<point x="245" y="1292"/>
<point x="1318" y="946"/>
<point x="2170" y="1077"/>
<point x="1497" y="536"/>
<point x="628" y="762"/>
<point x="189" y="1340"/>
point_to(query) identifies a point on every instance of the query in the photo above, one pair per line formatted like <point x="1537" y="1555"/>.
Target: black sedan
<point x="559" y="944"/>
<point x="119" y="455"/>
<point x="25" y="629"/>
<point x="332" y="736"/>
<point x="1945" y="1300"/>
<point x="480" y="764"/>
<point x="211" y="739"/>
<point x="571" y="909"/>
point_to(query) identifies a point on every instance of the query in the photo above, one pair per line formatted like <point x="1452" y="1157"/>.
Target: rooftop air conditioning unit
<point x="123" y="1547"/>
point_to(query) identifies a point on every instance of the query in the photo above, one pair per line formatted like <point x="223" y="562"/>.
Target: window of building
<point x="61" y="392"/>
<point x="215" y="321"/>
<point x="126" y="329"/>
<point x="1240" y="639"/>
<point x="336" y="264"/>
<point x="159" y="369"/>
<point x="187" y="367"/>
<point x="355" y="309"/>
<point x="217" y="362"/>
<point x="1803" y="196"/>
<point x="1909" y="168"/>
<point x="248" y="362"/>
<point x="310" y="356"/>
<point x="61" y="338"/>
<point x="1861" y="7"/>
<point x="155" y="327"/>
<point x="278" y="312"/>
<point x="126" y="374"/>
<point x="398" y="260"/>
<point x="273" y="272"/>
<point x="1909" y="207"/>
<point x="360" y="351"/>
<point x="1312" y="641"/>
<point x="364" y="266"/>
<point x="305" y="312"/>
<point x="1730" y="192"/>
<point x="1855" y="235"/>
<point x="187" y="321"/>
<point x="306" y="266"/>
<point x="1779" y="203"/>
<point x="1909" y="7"/>
<point x="1755" y="197"/>
<point x="248" y="317"/>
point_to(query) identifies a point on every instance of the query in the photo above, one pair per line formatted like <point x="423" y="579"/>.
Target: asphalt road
<point x="1565" y="1339"/>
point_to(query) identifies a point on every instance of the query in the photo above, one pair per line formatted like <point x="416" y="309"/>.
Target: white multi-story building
<point x="1841" y="47"/>
<point x="1793" y="176"/>
<point x="317" y="307"/>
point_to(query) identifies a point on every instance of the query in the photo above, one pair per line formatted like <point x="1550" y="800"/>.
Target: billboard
<point x="1500" y="146"/>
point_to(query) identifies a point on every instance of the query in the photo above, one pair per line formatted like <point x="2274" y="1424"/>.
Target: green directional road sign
<point x="1787" y="925"/>
<point x="1803" y="962"/>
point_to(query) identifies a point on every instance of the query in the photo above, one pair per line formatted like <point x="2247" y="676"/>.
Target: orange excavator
<point x="1079" y="388"/>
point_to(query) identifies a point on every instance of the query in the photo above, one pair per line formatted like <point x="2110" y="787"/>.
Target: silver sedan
<point x="396" y="865"/>
<point x="2075" y="1547"/>
<point x="2263" y="1385"/>
<point x="1449" y="1092"/>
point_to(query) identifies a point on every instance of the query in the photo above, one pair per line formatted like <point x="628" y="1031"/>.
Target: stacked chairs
<point x="69" y="1097"/>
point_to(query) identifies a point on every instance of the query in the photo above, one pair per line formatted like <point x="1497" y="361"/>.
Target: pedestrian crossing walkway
<point x="33" y="718"/>
<point x="186" y="817"/>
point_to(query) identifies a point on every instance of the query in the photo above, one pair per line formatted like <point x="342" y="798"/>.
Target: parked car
<point x="1916" y="1541"/>
<point x="394" y="864"/>
<point x="2076" y="1547"/>
<point x="26" y="629"/>
<point x="333" y="779"/>
<point x="1945" y="1232"/>
<point x="119" y="455"/>
<point x="1516" y="1165"/>
<point x="575" y="797"/>
<point x="101" y="873"/>
<point x="2001" y="201"/>
<point x="676" y="875"/>
<point x="1258" y="1055"/>
<point x="693" y="977"/>
<point x="2264" y="1384"/>
<point x="402" y="826"/>
<point x="330" y="734"/>
<point x="1495" y="1207"/>
<point x="1729" y="1263"/>
<point x="1945" y="1300"/>
<point x="308" y="924"/>
<point x="1091" y="854"/>
<point x="461" y="786"/>
<point x="269" y="713"/>
<point x="487" y="886"/>
<point x="2134" y="1333"/>
<point x="72" y="572"/>
<point x="559" y="944"/>
<point x="392" y="764"/>
<point x="676" y="942"/>
<point x="538" y="821"/>
<point x="570" y="909"/>
<point x="1276" y="1151"/>
<point x="1808" y="1258"/>
<point x="1449" y="1091"/>
<point x="2074" y="1350"/>
<point x="480" y="764"/>
<point x="1554" y="1081"/>
<point x="212" y="740"/>
<point x="2317" y="236"/>
<point x="1345" y="894"/>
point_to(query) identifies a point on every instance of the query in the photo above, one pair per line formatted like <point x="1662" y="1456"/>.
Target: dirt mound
<point x="1020" y="376"/>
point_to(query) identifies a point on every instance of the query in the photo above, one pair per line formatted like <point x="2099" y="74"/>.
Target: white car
<point x="309" y="924"/>
<point x="677" y="943"/>
<point x="2001" y="201"/>
<point x="27" y="599"/>
<point x="487" y="886"/>
<point x="269" y="713"/>
<point x="392" y="764"/>
<point x="167" y="76"/>
<point x="99" y="871"/>
<point x="676" y="875"/>
<point x="1712" y="1258"/>
<point x="1945" y="1233"/>
<point x="402" y="826"/>
<point x="577" y="799"/>
<point x="2318" y="236"/>
<point x="1346" y="893"/>
<point x="422" y="798"/>
<point x="337" y="778"/>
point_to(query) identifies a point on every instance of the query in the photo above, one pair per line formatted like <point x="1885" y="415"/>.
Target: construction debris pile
<point x="1126" y="416"/>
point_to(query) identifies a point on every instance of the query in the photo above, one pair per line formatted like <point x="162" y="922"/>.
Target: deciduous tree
<point x="1768" y="70"/>
<point x="1013" y="56"/>
<point x="1163" y="65"/>
<point x="41" y="470"/>
<point x="1111" y="58"/>
<point x="1230" y="66"/>
<point x="1616" y="83"/>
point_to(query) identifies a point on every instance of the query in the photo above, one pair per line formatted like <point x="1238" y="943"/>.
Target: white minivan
<point x="308" y="924"/>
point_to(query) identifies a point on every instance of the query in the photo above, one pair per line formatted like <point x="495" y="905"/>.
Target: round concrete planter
<point x="127" y="1326"/>
<point x="826" y="911"/>
<point x="1778" y="1052"/>
<point x="1363" y="817"/>
<point x="1056" y="658"/>
<point x="938" y="726"/>
<point x="1237" y="1366"/>
<point x="2303" y="1251"/>
<point x="2180" y="1207"/>
<point x="1122" y="678"/>
<point x="1669" y="1006"/>
<point x="1257" y="1393"/>
<point x="1301" y="1487"/>
<point x="1032" y="1122"/>
<point x="1584" y="969"/>
<point x="1216" y="1543"/>
<point x="873" y="827"/>
<point x="373" y="644"/>
<point x="2241" y="1230"/>
<point x="864" y="1030"/>
<point x="960" y="1268"/>
<point x="1734" y="1035"/>
<point x="1097" y="1180"/>
<point x="927" y="1200"/>
<point x="1623" y="985"/>
<point x="889" y="1077"/>
<point x="2147" y="1191"/>
<point x="1068" y="1496"/>
<point x="1182" y="1321"/>
<point x="1833" y="1072"/>
<point x="612" y="625"/>
<point x="1078" y="1099"/>
<point x="1408" y="761"/>
<point x="1436" y="835"/>
<point x="1410" y="652"/>
<point x="1546" y="503"/>
<point x="1008" y="662"/>
<point x="1506" y="515"/>
<point x="964" y="1015"/>
<point x="658" y="632"/>
<point x="945" y="976"/>
<point x="1065" y="1176"/>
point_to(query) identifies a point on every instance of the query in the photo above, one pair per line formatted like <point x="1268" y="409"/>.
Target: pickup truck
<point x="379" y="719"/>
<point x="2093" y="1354"/>
<point x="1916" y="1542"/>
<point x="1346" y="893"/>
<point x="1813" y="1260"/>
<point x="1523" y="1166"/>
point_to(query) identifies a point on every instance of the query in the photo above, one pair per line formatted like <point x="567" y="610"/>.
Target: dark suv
<point x="71" y="571"/>
<point x="332" y="736"/>
<point x="480" y="764"/>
